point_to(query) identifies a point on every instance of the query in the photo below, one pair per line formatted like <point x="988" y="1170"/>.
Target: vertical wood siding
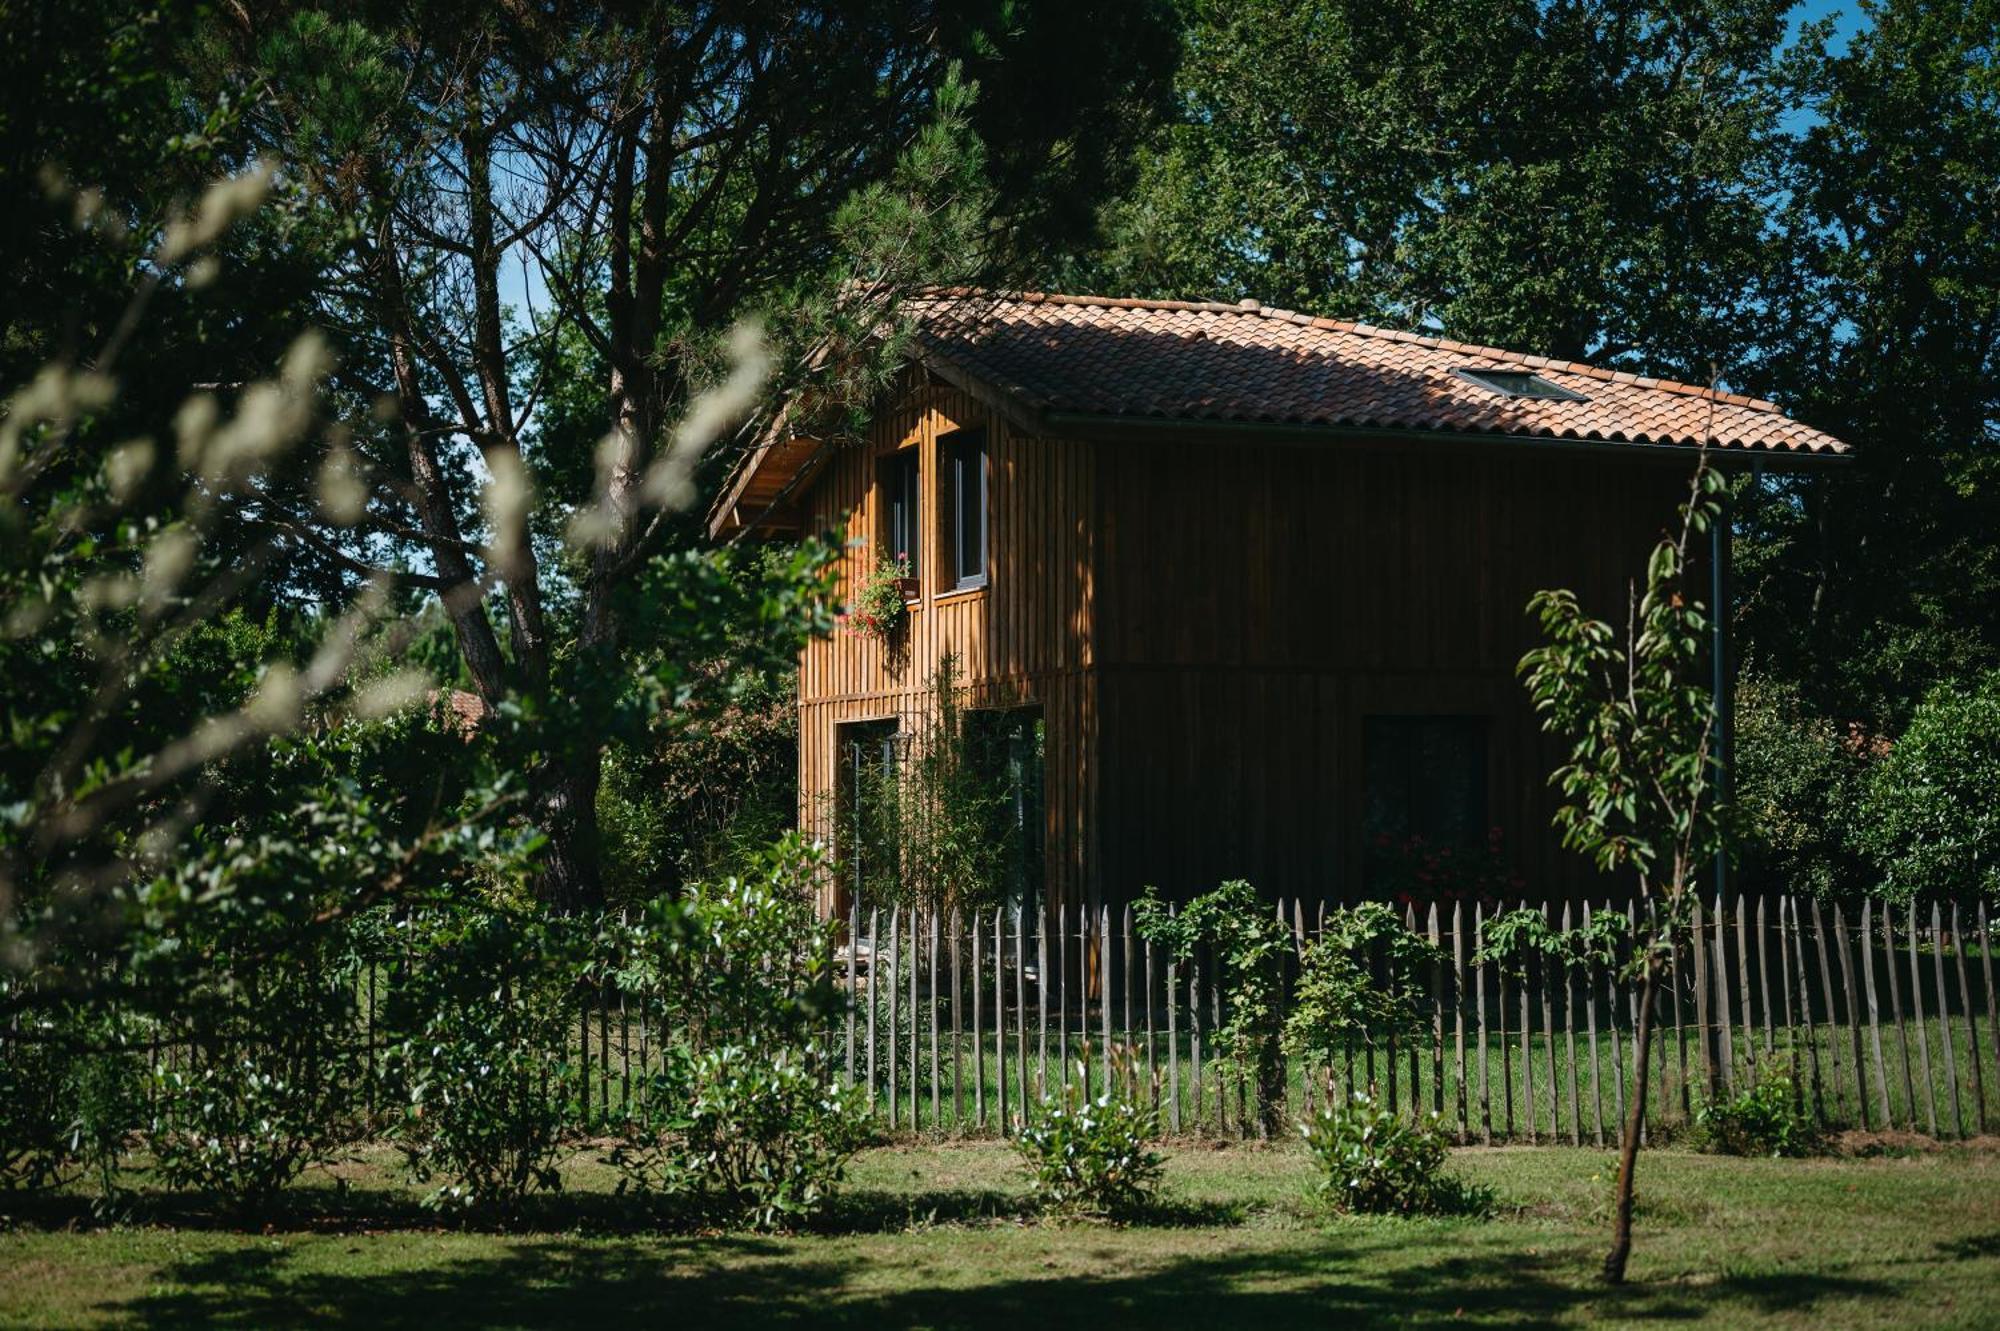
<point x="1206" y="626"/>
<point x="1022" y="639"/>
<point x="1256" y="603"/>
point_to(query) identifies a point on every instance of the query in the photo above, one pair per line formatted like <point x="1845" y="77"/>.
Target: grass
<point x="940" y="1235"/>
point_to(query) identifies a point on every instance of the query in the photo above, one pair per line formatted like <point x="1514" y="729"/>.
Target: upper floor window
<point x="900" y="479"/>
<point x="962" y="508"/>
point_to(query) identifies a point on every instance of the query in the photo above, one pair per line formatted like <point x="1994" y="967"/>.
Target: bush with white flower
<point x="1090" y="1156"/>
<point x="1374" y="1162"/>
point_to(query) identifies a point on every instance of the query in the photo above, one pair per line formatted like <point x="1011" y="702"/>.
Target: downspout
<point x="1720" y="593"/>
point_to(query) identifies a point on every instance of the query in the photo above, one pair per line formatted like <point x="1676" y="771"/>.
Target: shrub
<point x="753" y="1135"/>
<point x="1376" y="1163"/>
<point x="1362" y="978"/>
<point x="264" y="1089"/>
<point x="1932" y="824"/>
<point x="1249" y="946"/>
<point x="748" y="1124"/>
<point x="483" y="1017"/>
<point x="1089" y="1157"/>
<point x="1796" y="784"/>
<point x="1761" y="1118"/>
<point x="242" y="1129"/>
<point x="70" y="1097"/>
<point x="34" y="1096"/>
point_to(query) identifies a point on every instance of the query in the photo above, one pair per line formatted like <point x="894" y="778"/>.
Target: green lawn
<point x="938" y="1236"/>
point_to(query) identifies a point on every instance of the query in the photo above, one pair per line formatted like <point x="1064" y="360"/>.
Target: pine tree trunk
<point x="1635" y="1122"/>
<point x="566" y="813"/>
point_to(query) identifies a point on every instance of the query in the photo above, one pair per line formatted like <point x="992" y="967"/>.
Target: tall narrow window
<point x="899" y="480"/>
<point x="1424" y="782"/>
<point x="962" y="508"/>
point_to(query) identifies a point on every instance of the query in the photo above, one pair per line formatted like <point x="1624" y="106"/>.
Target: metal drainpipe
<point x="1719" y="596"/>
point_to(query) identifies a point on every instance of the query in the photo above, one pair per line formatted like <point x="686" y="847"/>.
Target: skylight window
<point x="1519" y="383"/>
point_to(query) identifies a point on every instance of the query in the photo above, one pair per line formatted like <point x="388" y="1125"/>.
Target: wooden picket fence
<point x="960" y="1023"/>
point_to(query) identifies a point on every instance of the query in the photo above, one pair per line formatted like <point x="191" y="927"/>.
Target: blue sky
<point x="1846" y="14"/>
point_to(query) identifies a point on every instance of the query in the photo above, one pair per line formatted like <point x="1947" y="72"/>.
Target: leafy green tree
<point x="1868" y="587"/>
<point x="1931" y="819"/>
<point x="1576" y="179"/>
<point x="1796" y="782"/>
<point x="648" y="176"/>
<point x="1639" y="786"/>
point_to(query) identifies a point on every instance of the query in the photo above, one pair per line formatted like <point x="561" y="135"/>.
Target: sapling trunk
<point x="1635" y="1123"/>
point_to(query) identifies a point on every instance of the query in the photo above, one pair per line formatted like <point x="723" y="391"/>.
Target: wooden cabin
<point x="1260" y="577"/>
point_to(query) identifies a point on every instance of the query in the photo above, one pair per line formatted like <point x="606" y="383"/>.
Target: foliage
<point x="1375" y="1162"/>
<point x="1869" y="587"/>
<point x="1515" y="937"/>
<point x="756" y="1133"/>
<point x="748" y="1123"/>
<point x="245" y="1127"/>
<point x="1931" y="821"/>
<point x="482" y="1017"/>
<point x="1247" y="943"/>
<point x="1797" y="780"/>
<point x="71" y="1096"/>
<point x="1503" y="171"/>
<point x="839" y="161"/>
<point x="34" y="1096"/>
<point x="879" y="609"/>
<point x="1763" y="1117"/>
<point x="1364" y="978"/>
<point x="1089" y="1156"/>
<point x="706" y="780"/>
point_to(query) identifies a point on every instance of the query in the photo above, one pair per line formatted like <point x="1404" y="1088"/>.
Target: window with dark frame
<point x="870" y="758"/>
<point x="1424" y="780"/>
<point x="962" y="508"/>
<point x="900" y="481"/>
<point x="1007" y="750"/>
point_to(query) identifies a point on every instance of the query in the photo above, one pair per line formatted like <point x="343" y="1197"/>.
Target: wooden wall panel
<point x="1256" y="603"/>
<point x="1018" y="640"/>
<point x="1206" y="626"/>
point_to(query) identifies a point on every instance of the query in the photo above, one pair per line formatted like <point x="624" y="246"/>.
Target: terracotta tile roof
<point x="1198" y="361"/>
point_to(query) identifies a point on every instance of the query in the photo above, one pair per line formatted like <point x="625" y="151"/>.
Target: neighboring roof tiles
<point x="1186" y="361"/>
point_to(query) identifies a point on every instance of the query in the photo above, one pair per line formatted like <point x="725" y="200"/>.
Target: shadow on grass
<point x="1965" y="1250"/>
<point x="871" y="1211"/>
<point x="751" y="1282"/>
<point x="339" y="1210"/>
